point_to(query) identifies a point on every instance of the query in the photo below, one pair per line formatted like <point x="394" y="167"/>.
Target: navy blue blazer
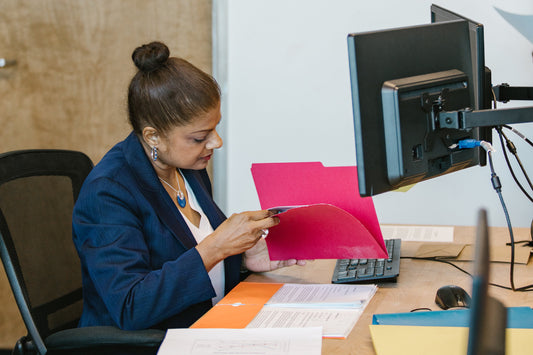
<point x="140" y="267"/>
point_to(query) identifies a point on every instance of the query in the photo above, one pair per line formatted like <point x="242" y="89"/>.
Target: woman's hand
<point x="235" y="235"/>
<point x="257" y="259"/>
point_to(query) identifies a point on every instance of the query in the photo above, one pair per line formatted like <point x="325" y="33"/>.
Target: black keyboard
<point x="370" y="270"/>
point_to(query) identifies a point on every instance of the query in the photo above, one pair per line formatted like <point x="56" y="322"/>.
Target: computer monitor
<point x="481" y="83"/>
<point x="481" y="74"/>
<point x="400" y="78"/>
<point x="488" y="316"/>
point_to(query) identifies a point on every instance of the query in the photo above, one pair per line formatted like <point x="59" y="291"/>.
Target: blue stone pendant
<point x="181" y="199"/>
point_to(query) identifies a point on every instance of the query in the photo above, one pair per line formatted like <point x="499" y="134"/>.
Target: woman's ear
<point x="150" y="136"/>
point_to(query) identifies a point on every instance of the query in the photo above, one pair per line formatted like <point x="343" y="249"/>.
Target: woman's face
<point x="191" y="146"/>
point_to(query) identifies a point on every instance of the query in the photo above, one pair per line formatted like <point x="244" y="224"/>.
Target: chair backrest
<point x="38" y="189"/>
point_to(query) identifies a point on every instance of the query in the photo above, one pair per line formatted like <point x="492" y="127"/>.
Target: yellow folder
<point x="421" y="340"/>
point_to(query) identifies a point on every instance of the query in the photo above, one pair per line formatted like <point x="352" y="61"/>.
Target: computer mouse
<point x="452" y="296"/>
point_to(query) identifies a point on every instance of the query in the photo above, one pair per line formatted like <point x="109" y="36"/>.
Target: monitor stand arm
<point x="504" y="93"/>
<point x="467" y="118"/>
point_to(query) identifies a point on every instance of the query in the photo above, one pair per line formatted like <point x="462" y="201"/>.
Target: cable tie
<point x="487" y="146"/>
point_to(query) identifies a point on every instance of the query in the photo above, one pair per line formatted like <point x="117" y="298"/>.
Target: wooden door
<point x="68" y="87"/>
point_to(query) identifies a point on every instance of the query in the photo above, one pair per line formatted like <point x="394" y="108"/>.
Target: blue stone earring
<point x="153" y="153"/>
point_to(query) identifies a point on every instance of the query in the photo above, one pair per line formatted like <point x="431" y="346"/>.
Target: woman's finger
<point x="266" y="223"/>
<point x="258" y="215"/>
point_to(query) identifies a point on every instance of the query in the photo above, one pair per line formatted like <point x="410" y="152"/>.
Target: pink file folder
<point x="331" y="221"/>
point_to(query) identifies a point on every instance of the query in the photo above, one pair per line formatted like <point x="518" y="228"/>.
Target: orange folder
<point x="239" y="307"/>
<point x="332" y="220"/>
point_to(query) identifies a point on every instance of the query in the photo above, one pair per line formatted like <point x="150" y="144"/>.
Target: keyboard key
<point x="370" y="270"/>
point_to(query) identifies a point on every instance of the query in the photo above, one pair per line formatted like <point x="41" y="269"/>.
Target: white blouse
<point x="203" y="230"/>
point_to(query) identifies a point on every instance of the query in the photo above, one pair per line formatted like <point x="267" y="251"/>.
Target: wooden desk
<point x="416" y="287"/>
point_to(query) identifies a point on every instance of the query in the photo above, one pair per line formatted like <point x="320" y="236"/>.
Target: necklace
<point x="179" y="194"/>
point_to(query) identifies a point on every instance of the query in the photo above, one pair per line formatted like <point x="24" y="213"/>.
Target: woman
<point x="155" y="250"/>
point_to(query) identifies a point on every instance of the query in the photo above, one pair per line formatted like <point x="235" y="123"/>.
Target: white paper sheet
<point x="271" y="341"/>
<point x="322" y="296"/>
<point x="335" y="323"/>
<point x="418" y="233"/>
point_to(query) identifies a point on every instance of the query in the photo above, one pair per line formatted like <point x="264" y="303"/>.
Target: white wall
<point x="283" y="68"/>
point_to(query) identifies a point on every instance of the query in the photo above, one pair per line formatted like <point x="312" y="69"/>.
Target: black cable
<point x="519" y="134"/>
<point x="445" y="261"/>
<point x="514" y="130"/>
<point x="497" y="186"/>
<point x="511" y="147"/>
<point x="437" y="259"/>
<point x="527" y="243"/>
<point x="494" y="106"/>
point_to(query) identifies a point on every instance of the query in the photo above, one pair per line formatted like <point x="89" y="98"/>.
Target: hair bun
<point x="151" y="56"/>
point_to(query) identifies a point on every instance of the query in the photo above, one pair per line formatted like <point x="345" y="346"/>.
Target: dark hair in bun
<point x="149" y="57"/>
<point x="167" y="91"/>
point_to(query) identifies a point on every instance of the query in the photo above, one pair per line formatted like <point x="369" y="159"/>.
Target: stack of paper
<point x="334" y="307"/>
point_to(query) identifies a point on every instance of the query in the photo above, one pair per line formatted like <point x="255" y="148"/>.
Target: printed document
<point x="297" y="341"/>
<point x="336" y="308"/>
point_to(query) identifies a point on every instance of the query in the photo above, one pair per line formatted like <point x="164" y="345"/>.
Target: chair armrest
<point x="98" y="336"/>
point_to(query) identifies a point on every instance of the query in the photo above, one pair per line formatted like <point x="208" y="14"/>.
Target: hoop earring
<point x="153" y="153"/>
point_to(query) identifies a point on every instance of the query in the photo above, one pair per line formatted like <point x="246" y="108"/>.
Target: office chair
<point x="38" y="189"/>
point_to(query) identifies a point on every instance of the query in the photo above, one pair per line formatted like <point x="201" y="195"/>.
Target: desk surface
<point x="416" y="287"/>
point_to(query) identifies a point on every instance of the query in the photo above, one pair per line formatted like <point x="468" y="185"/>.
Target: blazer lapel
<point x="155" y="193"/>
<point x="213" y="213"/>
